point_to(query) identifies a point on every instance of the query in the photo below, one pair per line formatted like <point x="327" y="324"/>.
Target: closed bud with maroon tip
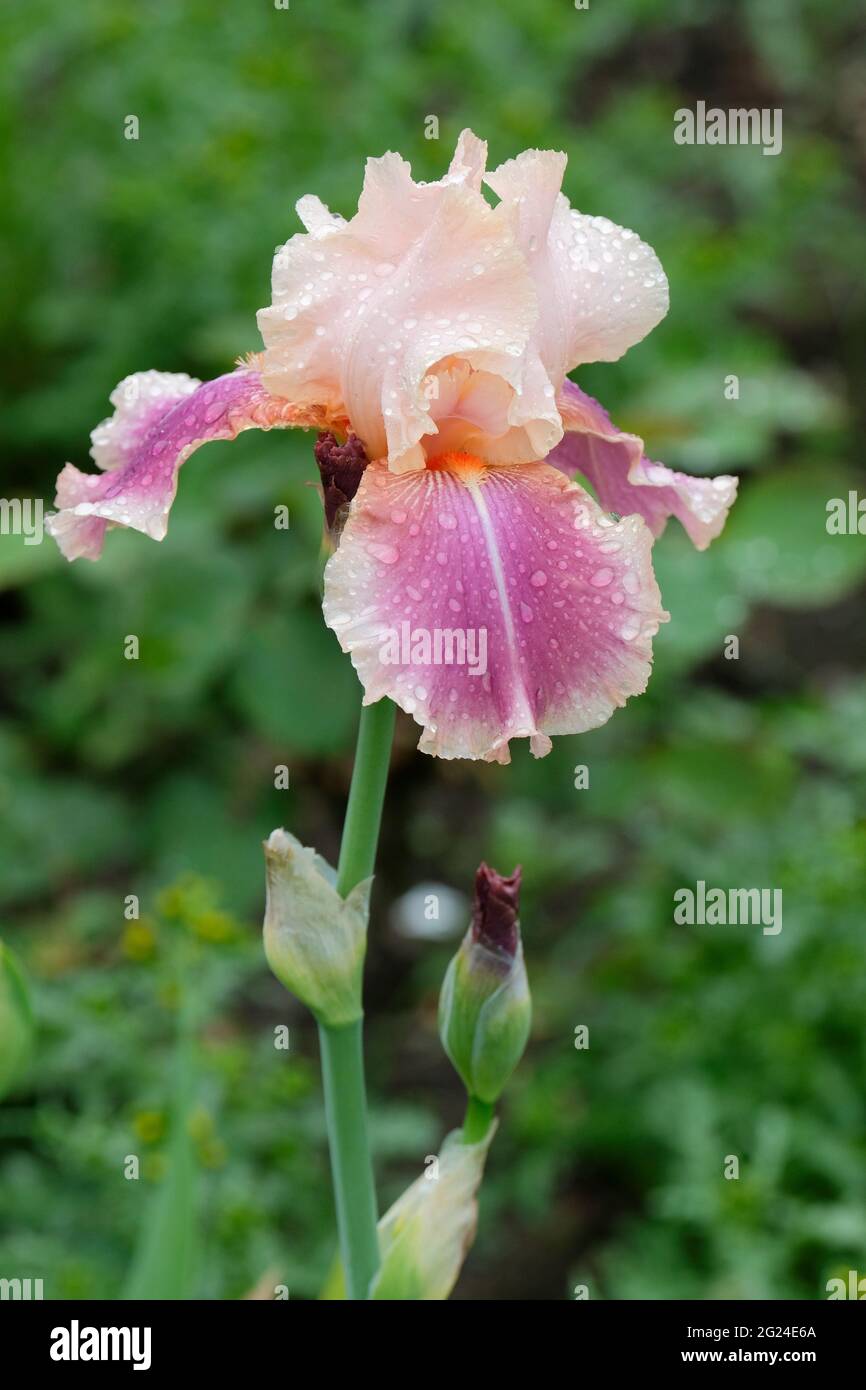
<point x="484" y="1008"/>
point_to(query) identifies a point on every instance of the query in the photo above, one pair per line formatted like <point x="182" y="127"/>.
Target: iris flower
<point x="428" y="339"/>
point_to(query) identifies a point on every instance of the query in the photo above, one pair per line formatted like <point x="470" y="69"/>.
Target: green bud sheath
<point x="485" y="1010"/>
<point x="426" y="1235"/>
<point x="314" y="939"/>
<point x="16" y="1021"/>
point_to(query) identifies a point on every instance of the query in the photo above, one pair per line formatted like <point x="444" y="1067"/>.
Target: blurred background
<point x="156" y="777"/>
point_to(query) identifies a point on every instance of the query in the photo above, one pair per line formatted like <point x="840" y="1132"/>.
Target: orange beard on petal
<point x="469" y="468"/>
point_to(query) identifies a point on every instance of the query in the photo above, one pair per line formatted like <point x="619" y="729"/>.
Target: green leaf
<point x="165" y="1262"/>
<point x="295" y="686"/>
<point x="776" y="545"/>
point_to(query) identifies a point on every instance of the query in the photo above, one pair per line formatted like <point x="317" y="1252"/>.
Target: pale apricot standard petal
<point x="368" y="314"/>
<point x="600" y="288"/>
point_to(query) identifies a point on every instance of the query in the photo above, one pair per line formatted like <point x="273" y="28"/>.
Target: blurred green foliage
<point x="122" y="777"/>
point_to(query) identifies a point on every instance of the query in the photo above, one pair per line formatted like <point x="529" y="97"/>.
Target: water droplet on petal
<point x="388" y="554"/>
<point x="601" y="577"/>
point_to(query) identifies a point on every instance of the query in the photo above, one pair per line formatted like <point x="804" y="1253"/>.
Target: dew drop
<point x="388" y="554"/>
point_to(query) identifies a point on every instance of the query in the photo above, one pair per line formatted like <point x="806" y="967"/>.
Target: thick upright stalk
<point x="342" y="1052"/>
<point x="366" y="796"/>
<point x="342" y="1048"/>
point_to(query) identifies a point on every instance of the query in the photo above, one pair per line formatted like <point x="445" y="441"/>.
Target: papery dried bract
<point x="426" y="1234"/>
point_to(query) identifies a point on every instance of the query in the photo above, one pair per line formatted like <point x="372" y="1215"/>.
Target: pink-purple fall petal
<point x="492" y="603"/>
<point x="627" y="482"/>
<point x="160" y="419"/>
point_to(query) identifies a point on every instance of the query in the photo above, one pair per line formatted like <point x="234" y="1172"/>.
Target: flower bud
<point x="16" y="1020"/>
<point x="484" y="1008"/>
<point x="314" y="939"/>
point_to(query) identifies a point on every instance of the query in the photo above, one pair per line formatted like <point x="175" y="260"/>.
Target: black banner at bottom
<point x="82" y="1338"/>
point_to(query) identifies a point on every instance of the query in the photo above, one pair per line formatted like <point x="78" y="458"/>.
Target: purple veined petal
<point x="627" y="482"/>
<point x="492" y="603"/>
<point x="160" y="419"/>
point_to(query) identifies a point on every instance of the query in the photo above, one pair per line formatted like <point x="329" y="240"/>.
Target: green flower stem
<point x="342" y="1052"/>
<point x="366" y="796"/>
<point x="342" y="1049"/>
<point x="478" y="1119"/>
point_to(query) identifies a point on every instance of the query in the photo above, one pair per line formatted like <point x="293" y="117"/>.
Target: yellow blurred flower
<point x="149" y="1125"/>
<point x="139" y="941"/>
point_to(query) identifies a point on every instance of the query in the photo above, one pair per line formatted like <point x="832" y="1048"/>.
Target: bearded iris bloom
<point x="474" y="582"/>
<point x="432" y="334"/>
